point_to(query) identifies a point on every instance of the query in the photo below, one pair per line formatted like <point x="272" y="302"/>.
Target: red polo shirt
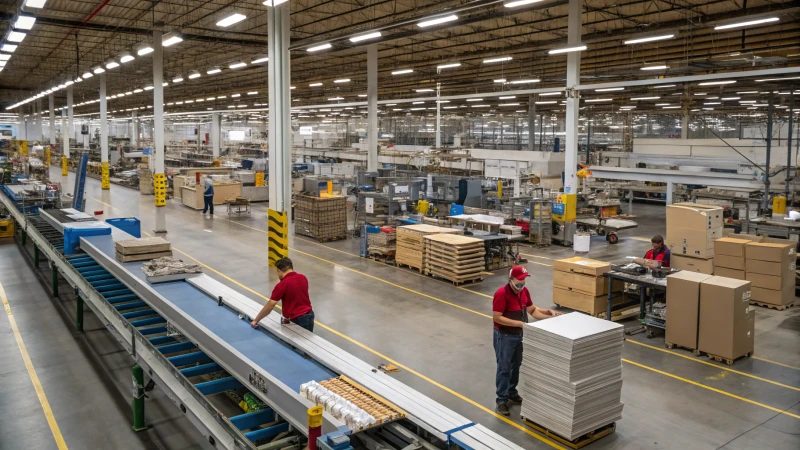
<point x="506" y="300"/>
<point x="663" y="256"/>
<point x="292" y="292"/>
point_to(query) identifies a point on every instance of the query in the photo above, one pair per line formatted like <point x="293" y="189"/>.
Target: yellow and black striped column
<point x="278" y="236"/>
<point x="160" y="189"/>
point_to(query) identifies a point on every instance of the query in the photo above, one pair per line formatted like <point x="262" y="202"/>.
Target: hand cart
<point x="605" y="227"/>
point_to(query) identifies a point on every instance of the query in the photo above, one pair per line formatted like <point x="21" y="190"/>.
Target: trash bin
<point x="129" y="225"/>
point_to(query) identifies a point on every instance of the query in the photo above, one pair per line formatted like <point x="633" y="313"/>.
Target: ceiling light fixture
<point x="319" y="47"/>
<point x="343" y="80"/>
<point x="253" y="93"/>
<point x="519" y="3"/>
<point x="148" y="88"/>
<point x="177" y="79"/>
<point x="474" y="99"/>
<point x="231" y="20"/>
<point x="716" y="83"/>
<point x="402" y="71"/>
<point x="664" y="86"/>
<point x="15" y="36"/>
<point x="125" y="57"/>
<point x="260" y="59"/>
<point x="574" y="48"/>
<point x="364" y="37"/>
<point x="87" y="75"/>
<point x="448" y="66"/>
<point x="213" y="70"/>
<point x="437" y="21"/>
<point x="35" y="3"/>
<point x="500" y="80"/>
<point x="98" y="70"/>
<point x="507" y="97"/>
<point x="237" y="65"/>
<point x="10" y="48"/>
<point x="315" y="85"/>
<point x="333" y="99"/>
<point x="424" y="90"/>
<point x="144" y="49"/>
<point x="550" y="102"/>
<point x="535" y="80"/>
<point x="645" y="98"/>
<point x="610" y="89"/>
<point x="659" y="67"/>
<point x="500" y="59"/>
<point x="747" y="23"/>
<point x="649" y="39"/>
<point x="777" y="79"/>
<point x="194" y="74"/>
<point x="111" y="64"/>
<point x="171" y="39"/>
<point x="548" y="94"/>
<point x="25" y="22"/>
<point x="598" y="100"/>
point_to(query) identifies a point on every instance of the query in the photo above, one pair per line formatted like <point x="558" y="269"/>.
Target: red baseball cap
<point x="519" y="272"/>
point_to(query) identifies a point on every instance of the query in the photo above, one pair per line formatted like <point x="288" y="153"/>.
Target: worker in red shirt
<point x="292" y="292"/>
<point x="658" y="256"/>
<point x="511" y="306"/>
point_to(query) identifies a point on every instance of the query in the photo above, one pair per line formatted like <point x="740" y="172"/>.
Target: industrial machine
<point x="564" y="219"/>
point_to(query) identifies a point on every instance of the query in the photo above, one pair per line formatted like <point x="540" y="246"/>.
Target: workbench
<point x="644" y="282"/>
<point x="192" y="197"/>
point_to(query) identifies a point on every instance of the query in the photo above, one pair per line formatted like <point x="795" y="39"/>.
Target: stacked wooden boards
<point x="142" y="249"/>
<point x="455" y="258"/>
<point x="410" y="249"/>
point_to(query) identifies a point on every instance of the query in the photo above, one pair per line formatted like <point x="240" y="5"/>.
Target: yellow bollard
<point x="779" y="205"/>
<point x="104" y="182"/>
<point x="63" y="166"/>
<point x="259" y="178"/>
<point x="47" y="156"/>
<point x="499" y="188"/>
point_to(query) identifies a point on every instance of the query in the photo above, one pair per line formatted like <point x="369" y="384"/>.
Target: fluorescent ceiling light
<point x="777" y="79"/>
<point x="25" y="22"/>
<point x="662" y="104"/>
<point x="645" y="98"/>
<point x="148" y="88"/>
<point x="747" y="23"/>
<point x="599" y="100"/>
<point x="364" y="95"/>
<point x="214" y="70"/>
<point x="171" y="39"/>
<point x="610" y="89"/>
<point x="177" y="79"/>
<point x="319" y="47"/>
<point x="343" y="80"/>
<point x="15" y="36"/>
<point x="231" y="20"/>
<point x="730" y="98"/>
<point x="111" y="64"/>
<point x="712" y="103"/>
<point x="661" y="67"/>
<point x="437" y="21"/>
<point x="508" y="97"/>
<point x="449" y="65"/>
<point x="576" y="48"/>
<point x="444" y="101"/>
<point x="237" y="65"/>
<point x="333" y="99"/>
<point x="69" y="83"/>
<point x="424" y="90"/>
<point x="4" y="57"/>
<point x="126" y="57"/>
<point x="671" y="107"/>
<point x="364" y="37"/>
<point x="144" y="49"/>
<point x="193" y="75"/>
<point x="650" y="39"/>
<point x="87" y="75"/>
<point x="508" y="104"/>
<point x="10" y="48"/>
<point x="260" y="60"/>
<point x="98" y="70"/>
<point x="35" y="3"/>
<point x="664" y="86"/>
<point x="714" y="83"/>
<point x="165" y="84"/>
<point x="137" y="91"/>
<point x="417" y="103"/>
<point x="548" y="94"/>
<point x="748" y="92"/>
<point x="474" y="99"/>
<point x="211" y="98"/>
<point x="479" y="106"/>
<point x="449" y="107"/>
<point x="253" y="93"/>
<point x="519" y="3"/>
<point x="236" y="95"/>
<point x="494" y="60"/>
<point x="402" y="71"/>
<point x="535" y="80"/>
<point x="315" y="84"/>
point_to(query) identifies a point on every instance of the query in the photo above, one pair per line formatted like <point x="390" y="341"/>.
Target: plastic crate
<point x="129" y="225"/>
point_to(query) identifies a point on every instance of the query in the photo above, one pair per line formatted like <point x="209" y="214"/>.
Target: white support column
<point x="103" y="134"/>
<point x="52" y="120"/>
<point x="438" y="117"/>
<point x="21" y="127"/>
<point x="280" y="132"/>
<point x="685" y="125"/>
<point x="216" y="129"/>
<point x="159" y="179"/>
<point x="669" y="192"/>
<point x="531" y="122"/>
<point x="134" y="138"/>
<point x="571" y="182"/>
<point x="70" y="122"/>
<point x="372" y="108"/>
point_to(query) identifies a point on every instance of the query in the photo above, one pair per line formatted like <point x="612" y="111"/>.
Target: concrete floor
<point x="439" y="335"/>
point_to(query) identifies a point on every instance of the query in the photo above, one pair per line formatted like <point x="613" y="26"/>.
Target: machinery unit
<point x="564" y="215"/>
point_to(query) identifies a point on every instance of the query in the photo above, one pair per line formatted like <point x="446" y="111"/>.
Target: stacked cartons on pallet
<point x="410" y="243"/>
<point x="579" y="284"/>
<point x="324" y="219"/>
<point x="142" y="249"/>
<point x="146" y="182"/>
<point x="691" y="231"/>
<point x="771" y="269"/>
<point x="459" y="259"/>
<point x="383" y="242"/>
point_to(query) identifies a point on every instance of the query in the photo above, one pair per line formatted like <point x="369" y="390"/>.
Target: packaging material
<point x="771" y="252"/>
<point x="729" y="262"/>
<point x="698" y="265"/>
<point x="692" y="229"/>
<point x="730" y="247"/>
<point x="696" y="216"/>
<point x="771" y="240"/>
<point x="726" y="325"/>
<point x="748" y="237"/>
<point x="769" y="268"/>
<point x="729" y="273"/>
<point x="769" y="281"/>
<point x="579" y="264"/>
<point x="578" y="301"/>
<point x="696" y="243"/>
<point x="683" y="299"/>
<point x="585" y="284"/>
<point x="783" y="296"/>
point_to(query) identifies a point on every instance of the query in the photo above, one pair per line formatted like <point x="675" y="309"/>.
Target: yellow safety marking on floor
<point x="775" y="362"/>
<point x="37" y="385"/>
<point x="639" y="238"/>
<point x="716" y="366"/>
<point x="534" y="256"/>
<point x="718" y="391"/>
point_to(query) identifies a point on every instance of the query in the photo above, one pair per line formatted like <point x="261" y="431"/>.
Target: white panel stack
<point x="572" y="374"/>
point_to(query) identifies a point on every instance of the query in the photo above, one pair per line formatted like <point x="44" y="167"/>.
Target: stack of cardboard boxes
<point x="579" y="284"/>
<point x="770" y="267"/>
<point x="729" y="257"/>
<point x="710" y="314"/>
<point x="691" y="231"/>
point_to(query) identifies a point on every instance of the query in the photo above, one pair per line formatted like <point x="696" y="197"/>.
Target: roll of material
<point x="582" y="243"/>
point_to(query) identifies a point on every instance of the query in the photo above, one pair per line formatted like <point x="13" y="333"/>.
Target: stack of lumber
<point x="455" y="258"/>
<point x="142" y="249"/>
<point x="410" y="243"/>
<point x="324" y="219"/>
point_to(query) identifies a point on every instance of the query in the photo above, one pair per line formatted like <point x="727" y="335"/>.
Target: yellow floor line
<point x="716" y="366"/>
<point x="718" y="391"/>
<point x="775" y="362"/>
<point x="643" y="239"/>
<point x="534" y="256"/>
<point x="37" y="385"/>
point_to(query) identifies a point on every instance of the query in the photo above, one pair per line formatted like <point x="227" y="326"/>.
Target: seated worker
<point x="658" y="256"/>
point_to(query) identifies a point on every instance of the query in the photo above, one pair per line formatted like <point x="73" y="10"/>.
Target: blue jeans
<point x="208" y="202"/>
<point x="508" y="352"/>
<point x="306" y="321"/>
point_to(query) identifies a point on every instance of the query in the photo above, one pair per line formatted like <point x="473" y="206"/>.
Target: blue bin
<point x="73" y="235"/>
<point x="456" y="210"/>
<point x="129" y="225"/>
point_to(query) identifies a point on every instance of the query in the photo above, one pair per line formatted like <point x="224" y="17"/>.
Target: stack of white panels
<point x="572" y="374"/>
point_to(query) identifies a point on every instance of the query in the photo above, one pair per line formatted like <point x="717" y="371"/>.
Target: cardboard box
<point x="579" y="264"/>
<point x="730" y="247"/>
<point x="683" y="301"/>
<point x="786" y="269"/>
<point x="581" y="302"/>
<point x="729" y="262"/>
<point x="729" y="273"/>
<point x="692" y="242"/>
<point x="771" y="252"/>
<point x="769" y="281"/>
<point x="771" y="240"/>
<point x="695" y="216"/>
<point x="585" y="284"/>
<point x="726" y="320"/>
<point x="747" y="237"/>
<point x="784" y="296"/>
<point x="698" y="265"/>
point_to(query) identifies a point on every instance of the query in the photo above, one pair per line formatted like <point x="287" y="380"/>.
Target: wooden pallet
<point x="771" y="306"/>
<point x="670" y="346"/>
<point x="616" y="316"/>
<point x="456" y="282"/>
<point x="727" y="361"/>
<point x="577" y="443"/>
<point x="399" y="264"/>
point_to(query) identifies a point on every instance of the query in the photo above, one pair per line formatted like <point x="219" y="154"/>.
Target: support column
<point x="532" y="122"/>
<point x="372" y="108"/>
<point x="103" y="134"/>
<point x="571" y="181"/>
<point x="159" y="179"/>
<point x="280" y="133"/>
<point x="216" y="128"/>
<point x="52" y="120"/>
<point x="438" y="117"/>
<point x="70" y="121"/>
<point x="22" y="134"/>
<point x="765" y="202"/>
<point x="39" y="122"/>
<point x="669" y="192"/>
<point x="789" y="145"/>
<point x="685" y="125"/>
<point x="134" y="139"/>
<point x="64" y="143"/>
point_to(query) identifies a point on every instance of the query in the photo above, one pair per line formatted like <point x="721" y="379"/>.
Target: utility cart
<point x="608" y="227"/>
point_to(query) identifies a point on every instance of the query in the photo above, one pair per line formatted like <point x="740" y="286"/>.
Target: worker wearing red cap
<point x="511" y="306"/>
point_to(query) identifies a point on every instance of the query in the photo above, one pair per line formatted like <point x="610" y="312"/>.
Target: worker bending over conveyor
<point x="292" y="292"/>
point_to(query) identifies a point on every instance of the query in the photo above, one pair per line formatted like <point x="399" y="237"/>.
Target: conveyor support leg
<point x="79" y="314"/>
<point x="24" y="238"/>
<point x="138" y="399"/>
<point x="55" y="280"/>
<point x="35" y="255"/>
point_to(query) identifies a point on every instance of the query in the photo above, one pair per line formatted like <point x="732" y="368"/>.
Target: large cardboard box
<point x="747" y="237"/>
<point x="726" y="320"/>
<point x="579" y="264"/>
<point x="698" y="265"/>
<point x="730" y="247"/>
<point x="695" y="216"/>
<point x="581" y="302"/>
<point x="772" y="240"/>
<point x="729" y="262"/>
<point x="769" y="268"/>
<point x="683" y="301"/>
<point x="769" y="281"/>
<point x="585" y="284"/>
<point x="729" y="273"/>
<point x="692" y="229"/>
<point x="783" y="296"/>
<point x="771" y="252"/>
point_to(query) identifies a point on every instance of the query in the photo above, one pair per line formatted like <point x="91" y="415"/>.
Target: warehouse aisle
<point x="441" y="335"/>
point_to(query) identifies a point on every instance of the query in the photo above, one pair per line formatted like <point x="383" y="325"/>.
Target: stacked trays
<point x="572" y="374"/>
<point x="455" y="258"/>
<point x="410" y="239"/>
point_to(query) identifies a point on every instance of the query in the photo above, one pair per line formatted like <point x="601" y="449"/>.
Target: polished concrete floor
<point x="440" y="337"/>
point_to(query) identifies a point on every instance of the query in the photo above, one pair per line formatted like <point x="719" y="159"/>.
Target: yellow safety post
<point x="277" y="235"/>
<point x="47" y="156"/>
<point x="259" y="178"/>
<point x="160" y="189"/>
<point x="499" y="188"/>
<point x="314" y="426"/>
<point x="779" y="205"/>
<point x="23" y="147"/>
<point x="330" y="187"/>
<point x="104" y="182"/>
<point x="63" y="166"/>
